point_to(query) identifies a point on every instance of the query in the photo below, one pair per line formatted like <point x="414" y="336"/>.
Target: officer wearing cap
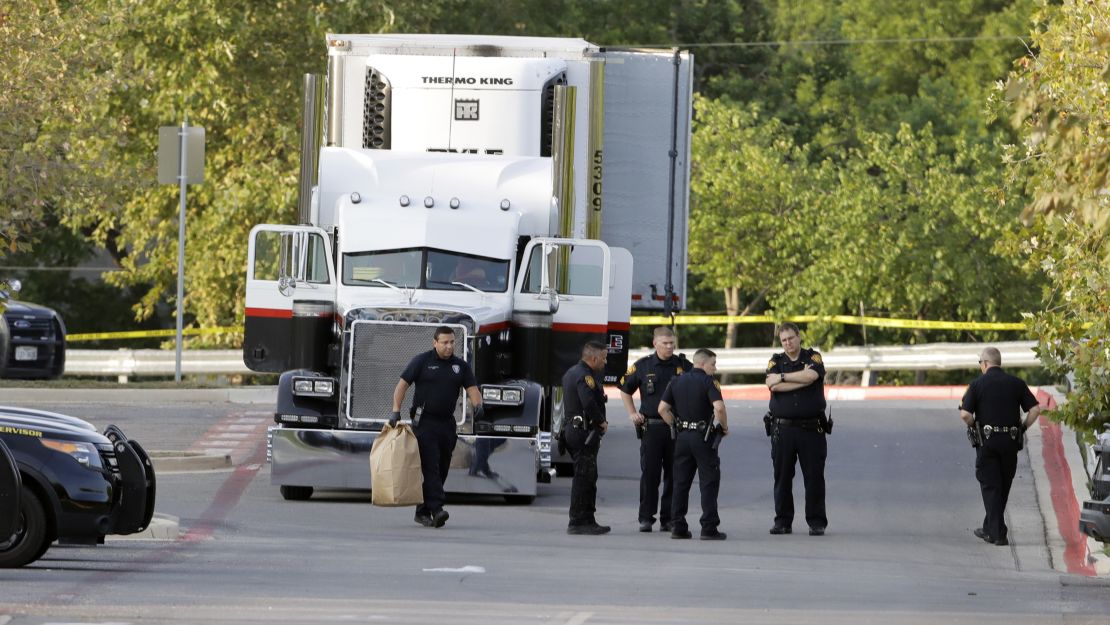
<point x="993" y="403"/>
<point x="584" y="424"/>
<point x="692" y="404"/>
<point x="438" y="375"/>
<point x="651" y="375"/>
<point x="796" y="378"/>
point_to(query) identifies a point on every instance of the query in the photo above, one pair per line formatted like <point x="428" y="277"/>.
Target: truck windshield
<point x="426" y="269"/>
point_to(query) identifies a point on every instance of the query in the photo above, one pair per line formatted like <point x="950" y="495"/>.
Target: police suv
<point x="61" y="480"/>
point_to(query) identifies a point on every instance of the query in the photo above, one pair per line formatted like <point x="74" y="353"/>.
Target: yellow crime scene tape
<point x="879" y="322"/>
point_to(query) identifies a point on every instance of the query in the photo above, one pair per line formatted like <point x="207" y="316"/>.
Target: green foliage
<point x="1060" y="99"/>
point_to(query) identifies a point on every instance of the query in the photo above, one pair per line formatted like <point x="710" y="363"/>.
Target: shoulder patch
<point x="678" y="370"/>
<point x="590" y="381"/>
<point x="717" y="384"/>
<point x="631" y="369"/>
<point x="816" y="358"/>
<point x="770" y="364"/>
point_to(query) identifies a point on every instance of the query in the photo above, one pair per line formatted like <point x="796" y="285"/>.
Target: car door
<point x="10" y="487"/>
<point x="288" y="268"/>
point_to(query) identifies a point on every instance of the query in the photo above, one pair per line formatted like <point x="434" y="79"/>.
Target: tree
<point x="1060" y="99"/>
<point x="54" y="78"/>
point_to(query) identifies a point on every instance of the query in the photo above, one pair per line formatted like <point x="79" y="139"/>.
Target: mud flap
<point x="10" y="487"/>
<point x="130" y="515"/>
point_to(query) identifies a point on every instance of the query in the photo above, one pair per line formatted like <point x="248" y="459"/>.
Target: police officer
<point x="796" y="378"/>
<point x="993" y="403"/>
<point x="696" y="398"/>
<point x="584" y="408"/>
<point x="651" y="375"/>
<point x="438" y="375"/>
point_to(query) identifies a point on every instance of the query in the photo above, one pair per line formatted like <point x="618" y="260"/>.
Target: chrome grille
<point x="380" y="351"/>
<point x="547" y="111"/>
<point x="31" y="328"/>
<point x="376" y="113"/>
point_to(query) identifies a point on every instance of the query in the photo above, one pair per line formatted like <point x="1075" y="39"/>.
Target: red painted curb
<point x="1061" y="493"/>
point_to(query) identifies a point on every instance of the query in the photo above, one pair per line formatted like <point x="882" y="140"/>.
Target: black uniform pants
<point x="437" y="438"/>
<point x="692" y="453"/>
<point x="583" y="488"/>
<point x="995" y="466"/>
<point x="656" y="461"/>
<point x="807" y="447"/>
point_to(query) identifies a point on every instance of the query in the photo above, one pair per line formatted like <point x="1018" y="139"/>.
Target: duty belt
<point x="692" y="425"/>
<point x="993" y="429"/>
<point x="649" y="420"/>
<point x="578" y="422"/>
<point x="800" y="423"/>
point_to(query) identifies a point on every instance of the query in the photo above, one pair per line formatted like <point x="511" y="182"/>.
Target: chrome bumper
<point x="341" y="459"/>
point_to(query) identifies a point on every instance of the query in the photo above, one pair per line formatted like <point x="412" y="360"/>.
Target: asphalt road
<point x="901" y="503"/>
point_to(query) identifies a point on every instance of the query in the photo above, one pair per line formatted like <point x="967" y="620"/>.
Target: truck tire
<point x="296" y="493"/>
<point x="520" y="500"/>
<point x="31" y="540"/>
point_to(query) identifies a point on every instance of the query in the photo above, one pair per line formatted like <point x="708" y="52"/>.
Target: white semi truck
<point x="527" y="192"/>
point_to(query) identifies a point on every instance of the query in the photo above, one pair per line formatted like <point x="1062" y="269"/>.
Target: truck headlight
<point x="84" y="453"/>
<point x="314" y="387"/>
<point x="502" y="395"/>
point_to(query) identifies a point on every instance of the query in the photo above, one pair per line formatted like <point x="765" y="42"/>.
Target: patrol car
<point x="61" y="480"/>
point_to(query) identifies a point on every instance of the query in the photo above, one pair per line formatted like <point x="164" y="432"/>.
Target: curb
<point x="759" y="392"/>
<point x="184" y="461"/>
<point x="1062" y="481"/>
<point x="162" y="527"/>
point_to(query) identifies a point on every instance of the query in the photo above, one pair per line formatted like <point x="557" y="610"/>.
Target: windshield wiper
<point x="389" y="284"/>
<point x="462" y="284"/>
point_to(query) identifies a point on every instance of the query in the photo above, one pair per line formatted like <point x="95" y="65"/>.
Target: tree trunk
<point x="732" y="308"/>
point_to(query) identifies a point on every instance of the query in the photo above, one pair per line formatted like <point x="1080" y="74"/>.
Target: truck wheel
<point x="564" y="469"/>
<point x="520" y="500"/>
<point x="296" y="493"/>
<point x="31" y="540"/>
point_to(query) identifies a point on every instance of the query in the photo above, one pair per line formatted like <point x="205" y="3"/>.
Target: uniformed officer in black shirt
<point x="584" y="424"/>
<point x="651" y="375"/>
<point x="796" y="378"/>
<point x="993" y="403"/>
<point x="693" y="403"/>
<point x="438" y="375"/>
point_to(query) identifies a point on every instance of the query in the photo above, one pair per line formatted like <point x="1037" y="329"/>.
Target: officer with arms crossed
<point x="438" y="375"/>
<point x="651" y="375"/>
<point x="993" y="404"/>
<point x="696" y="397"/>
<point x="798" y="426"/>
<point x="584" y="408"/>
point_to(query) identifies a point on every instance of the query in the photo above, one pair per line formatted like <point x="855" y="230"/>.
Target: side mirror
<point x="15" y="286"/>
<point x="290" y="265"/>
<point x="286" y="285"/>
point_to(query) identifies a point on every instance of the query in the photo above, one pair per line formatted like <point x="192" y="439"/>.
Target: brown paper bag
<point x="395" y="477"/>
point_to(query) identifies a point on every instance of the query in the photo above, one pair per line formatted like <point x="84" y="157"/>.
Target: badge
<point x="455" y="368"/>
<point x="590" y="381"/>
<point x="631" y="369"/>
<point x="816" y="358"/>
<point x="678" y="370"/>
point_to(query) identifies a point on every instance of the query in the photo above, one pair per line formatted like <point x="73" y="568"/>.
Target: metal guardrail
<point x="125" y="363"/>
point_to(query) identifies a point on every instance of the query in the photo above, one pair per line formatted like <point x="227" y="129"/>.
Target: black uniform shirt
<point x="582" y="394"/>
<point x="998" y="398"/>
<point x="692" y="396"/>
<point x="651" y="375"/>
<point x="438" y="381"/>
<point x="807" y="402"/>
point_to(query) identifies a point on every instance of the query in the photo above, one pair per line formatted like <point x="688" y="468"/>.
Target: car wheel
<point x="31" y="540"/>
<point x="296" y="493"/>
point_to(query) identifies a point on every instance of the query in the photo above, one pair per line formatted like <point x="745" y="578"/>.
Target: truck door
<point x="290" y="298"/>
<point x="563" y="285"/>
<point x="10" y="487"/>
